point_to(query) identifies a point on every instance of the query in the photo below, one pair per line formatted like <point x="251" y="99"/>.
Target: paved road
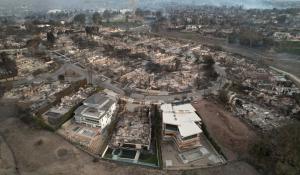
<point x="107" y="84"/>
<point x="295" y="79"/>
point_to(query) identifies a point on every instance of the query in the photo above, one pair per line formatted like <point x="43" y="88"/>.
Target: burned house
<point x="8" y="67"/>
<point x="133" y="130"/>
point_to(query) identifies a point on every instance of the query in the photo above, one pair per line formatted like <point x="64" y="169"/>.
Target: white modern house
<point x="182" y="125"/>
<point x="96" y="111"/>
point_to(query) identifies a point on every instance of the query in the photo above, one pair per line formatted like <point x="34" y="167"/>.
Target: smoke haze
<point x="40" y="5"/>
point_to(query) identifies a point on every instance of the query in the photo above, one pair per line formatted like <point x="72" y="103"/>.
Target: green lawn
<point x="292" y="47"/>
<point x="121" y="24"/>
<point x="148" y="158"/>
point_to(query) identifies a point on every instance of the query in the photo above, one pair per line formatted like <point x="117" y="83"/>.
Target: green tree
<point x="61" y="77"/>
<point x="158" y="15"/>
<point x="278" y="153"/>
<point x="173" y="20"/>
<point x="208" y="60"/>
<point x="97" y="18"/>
<point x="139" y="12"/>
<point x="80" y="19"/>
<point x="107" y="15"/>
<point x="33" y="45"/>
<point x="250" y="38"/>
<point x="50" y="37"/>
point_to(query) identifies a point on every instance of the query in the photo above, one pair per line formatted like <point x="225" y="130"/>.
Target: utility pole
<point x="89" y="71"/>
<point x="90" y="74"/>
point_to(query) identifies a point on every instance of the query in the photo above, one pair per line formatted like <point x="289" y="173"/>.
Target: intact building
<point x="96" y="111"/>
<point x="182" y="125"/>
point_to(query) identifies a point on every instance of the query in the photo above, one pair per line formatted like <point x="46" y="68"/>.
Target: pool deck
<point x="203" y="156"/>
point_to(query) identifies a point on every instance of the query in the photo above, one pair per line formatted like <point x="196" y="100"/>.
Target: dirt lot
<point x="231" y="134"/>
<point x="7" y="164"/>
<point x="235" y="168"/>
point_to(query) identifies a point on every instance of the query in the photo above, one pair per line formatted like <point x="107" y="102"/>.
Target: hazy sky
<point x="88" y="4"/>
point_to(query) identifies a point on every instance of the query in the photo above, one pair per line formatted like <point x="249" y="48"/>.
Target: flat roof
<point x="79" y="109"/>
<point x="166" y="107"/>
<point x="100" y="101"/>
<point x="92" y="112"/>
<point x="184" y="107"/>
<point x="95" y="106"/>
<point x="189" y="129"/>
<point x="98" y="98"/>
<point x="183" y="116"/>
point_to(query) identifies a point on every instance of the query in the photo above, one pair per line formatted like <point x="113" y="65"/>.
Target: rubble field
<point x="140" y="61"/>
